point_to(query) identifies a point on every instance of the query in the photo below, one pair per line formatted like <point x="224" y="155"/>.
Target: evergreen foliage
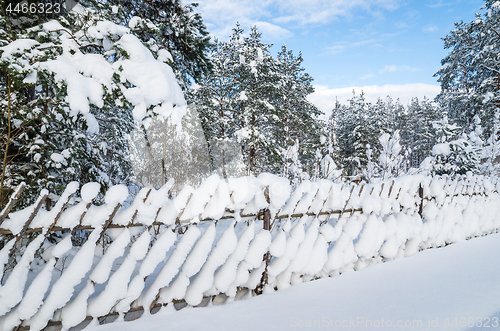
<point x="470" y="75"/>
<point x="256" y="105"/>
<point x="43" y="143"/>
<point x="298" y="118"/>
<point x="391" y="159"/>
<point x="165" y="24"/>
<point x="417" y="132"/>
<point x="358" y="125"/>
<point x="490" y="157"/>
<point x="456" y="152"/>
<point x="69" y="100"/>
<point x="354" y="130"/>
<point x="249" y="111"/>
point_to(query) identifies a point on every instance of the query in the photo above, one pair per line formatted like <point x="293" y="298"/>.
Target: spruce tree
<point x="417" y="131"/>
<point x="74" y="87"/>
<point x="391" y="161"/>
<point x="256" y="116"/>
<point x="359" y="126"/>
<point x="168" y="24"/>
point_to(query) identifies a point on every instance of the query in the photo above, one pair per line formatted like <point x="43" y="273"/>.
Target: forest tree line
<point x="248" y="110"/>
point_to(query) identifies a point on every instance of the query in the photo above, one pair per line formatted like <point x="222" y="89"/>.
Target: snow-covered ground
<point x="452" y="288"/>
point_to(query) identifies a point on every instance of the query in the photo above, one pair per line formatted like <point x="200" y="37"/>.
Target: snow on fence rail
<point x="225" y="240"/>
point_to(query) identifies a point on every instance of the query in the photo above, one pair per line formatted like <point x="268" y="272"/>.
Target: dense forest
<point x="139" y="93"/>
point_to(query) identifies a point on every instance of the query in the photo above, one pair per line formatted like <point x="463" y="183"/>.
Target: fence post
<point x="267" y="256"/>
<point x="421" y="195"/>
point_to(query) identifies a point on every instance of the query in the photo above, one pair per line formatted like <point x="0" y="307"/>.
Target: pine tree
<point x="293" y="167"/>
<point x="330" y="146"/>
<point x="170" y="153"/>
<point x="297" y="117"/>
<point x="42" y="141"/>
<point x="254" y="107"/>
<point x="372" y="169"/>
<point x="391" y="159"/>
<point x="217" y="99"/>
<point x="256" y="77"/>
<point x="470" y="76"/>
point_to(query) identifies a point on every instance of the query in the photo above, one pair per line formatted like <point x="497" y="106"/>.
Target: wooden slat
<point x="12" y="201"/>
<point x="28" y="222"/>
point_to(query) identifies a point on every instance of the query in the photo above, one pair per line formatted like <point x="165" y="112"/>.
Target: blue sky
<point x="385" y="47"/>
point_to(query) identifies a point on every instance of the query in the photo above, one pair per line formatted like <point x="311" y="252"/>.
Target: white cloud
<point x="367" y="76"/>
<point x="334" y="49"/>
<point x="324" y="97"/>
<point x="273" y="31"/>
<point x="324" y="11"/>
<point x="221" y="15"/>
<point x="430" y="28"/>
<point x="331" y="50"/>
<point x="440" y="3"/>
<point x="394" y="68"/>
<point x="401" y="25"/>
<point x="364" y="42"/>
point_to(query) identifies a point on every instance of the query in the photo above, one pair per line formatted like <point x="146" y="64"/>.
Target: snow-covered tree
<point x="353" y="133"/>
<point x="169" y="153"/>
<point x="330" y="147"/>
<point x="456" y="152"/>
<point x="257" y="117"/>
<point x="293" y="167"/>
<point x="470" y="74"/>
<point x="297" y="118"/>
<point x="391" y="160"/>
<point x="360" y="124"/>
<point x="165" y="24"/>
<point x="254" y="106"/>
<point x="372" y="169"/>
<point x="217" y="98"/>
<point x="491" y="153"/>
<point x="417" y="131"/>
<point x="329" y="169"/>
<point x="76" y="85"/>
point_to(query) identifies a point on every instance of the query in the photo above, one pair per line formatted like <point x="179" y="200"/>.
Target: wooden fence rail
<point x="227" y="239"/>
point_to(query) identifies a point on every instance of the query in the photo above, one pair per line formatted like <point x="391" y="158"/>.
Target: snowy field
<point x="452" y="288"/>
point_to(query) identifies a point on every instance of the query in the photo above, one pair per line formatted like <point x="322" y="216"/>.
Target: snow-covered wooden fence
<point x="227" y="239"/>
